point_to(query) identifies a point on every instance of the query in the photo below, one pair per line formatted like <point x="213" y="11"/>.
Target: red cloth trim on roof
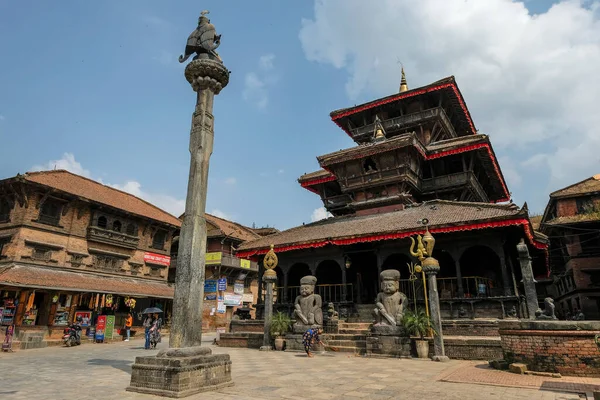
<point x="404" y="96"/>
<point x="401" y="235"/>
<point x="432" y="157"/>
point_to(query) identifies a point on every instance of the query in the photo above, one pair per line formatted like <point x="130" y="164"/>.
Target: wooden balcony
<point x="406" y="121"/>
<point x="450" y="181"/>
<point x="107" y="236"/>
<point x="228" y="260"/>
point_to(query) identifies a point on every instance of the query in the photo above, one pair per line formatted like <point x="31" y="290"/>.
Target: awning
<point x="48" y="278"/>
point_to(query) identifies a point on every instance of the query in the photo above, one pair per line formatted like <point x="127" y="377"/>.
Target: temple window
<point x="117" y="226"/>
<point x="4" y="211"/>
<point x="40" y="253"/>
<point x="585" y="205"/>
<point x="369" y="165"/>
<point x="50" y="212"/>
<point x="102" y="222"/>
<point x="158" y="241"/>
<point x="131" y="230"/>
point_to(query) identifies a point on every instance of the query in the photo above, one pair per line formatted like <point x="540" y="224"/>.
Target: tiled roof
<point x="265" y="231"/>
<point x="589" y="185"/>
<point x="440" y="213"/>
<point x="91" y="190"/>
<point x="47" y="278"/>
<point x="231" y="229"/>
<point x="573" y="219"/>
<point x="314" y="175"/>
<point x="461" y="141"/>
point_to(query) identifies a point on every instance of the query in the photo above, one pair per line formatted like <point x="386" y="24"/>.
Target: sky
<point x="96" y="88"/>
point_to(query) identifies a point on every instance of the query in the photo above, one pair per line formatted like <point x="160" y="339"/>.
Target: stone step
<point x="343" y="337"/>
<point x="362" y="326"/>
<point x="359" y="344"/>
<point x="361" y="332"/>
<point x="350" y="349"/>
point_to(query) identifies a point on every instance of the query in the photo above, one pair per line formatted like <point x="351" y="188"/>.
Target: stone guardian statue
<point x="307" y="306"/>
<point x="390" y="302"/>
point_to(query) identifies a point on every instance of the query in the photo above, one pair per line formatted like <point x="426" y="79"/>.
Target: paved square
<point x="94" y="371"/>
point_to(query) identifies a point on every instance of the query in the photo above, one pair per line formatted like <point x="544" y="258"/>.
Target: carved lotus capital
<point x="207" y="74"/>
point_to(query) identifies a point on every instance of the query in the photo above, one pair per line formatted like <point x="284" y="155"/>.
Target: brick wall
<point x="470" y="328"/>
<point x="470" y="348"/>
<point x="553" y="346"/>
<point x="566" y="207"/>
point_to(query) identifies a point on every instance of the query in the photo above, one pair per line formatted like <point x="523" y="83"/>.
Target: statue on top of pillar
<point x="307" y="306"/>
<point x="390" y="303"/>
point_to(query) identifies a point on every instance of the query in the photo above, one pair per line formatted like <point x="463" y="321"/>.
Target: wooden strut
<point x="43" y="199"/>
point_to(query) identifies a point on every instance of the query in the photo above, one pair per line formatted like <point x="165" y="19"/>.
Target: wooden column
<point x="23" y="297"/>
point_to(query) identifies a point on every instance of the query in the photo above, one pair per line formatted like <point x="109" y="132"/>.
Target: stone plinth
<point x="293" y="342"/>
<point x="180" y="372"/>
<point x="565" y="347"/>
<point x="388" y="346"/>
<point x="246" y="325"/>
<point x="250" y="340"/>
<point x="471" y="327"/>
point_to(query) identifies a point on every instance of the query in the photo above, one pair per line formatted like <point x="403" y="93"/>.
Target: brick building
<point x="572" y="222"/>
<point x="71" y="245"/>
<point x="240" y="275"/>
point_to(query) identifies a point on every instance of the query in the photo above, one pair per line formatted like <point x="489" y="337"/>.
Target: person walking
<point x="310" y="338"/>
<point x="148" y="321"/>
<point x="155" y="331"/>
<point x="128" y="324"/>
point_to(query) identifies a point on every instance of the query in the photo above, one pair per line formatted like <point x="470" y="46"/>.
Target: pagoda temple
<point x="418" y="156"/>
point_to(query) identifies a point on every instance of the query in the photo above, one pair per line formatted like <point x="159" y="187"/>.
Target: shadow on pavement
<point x="123" y="365"/>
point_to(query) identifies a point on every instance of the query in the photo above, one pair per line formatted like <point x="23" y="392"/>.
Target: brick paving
<point x="103" y="371"/>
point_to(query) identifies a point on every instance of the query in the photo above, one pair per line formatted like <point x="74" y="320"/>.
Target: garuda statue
<point x="204" y="40"/>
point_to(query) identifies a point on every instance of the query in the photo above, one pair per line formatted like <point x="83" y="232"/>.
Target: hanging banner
<point x="238" y="288"/>
<point x="153" y="258"/>
<point x="210" y="286"/>
<point x="231" y="299"/>
<point x="245" y="264"/>
<point x="222" y="285"/>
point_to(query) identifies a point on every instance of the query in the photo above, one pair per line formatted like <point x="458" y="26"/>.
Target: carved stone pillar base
<point x="180" y="372"/>
<point x="388" y="346"/>
<point x="440" y="358"/>
<point x="266" y="348"/>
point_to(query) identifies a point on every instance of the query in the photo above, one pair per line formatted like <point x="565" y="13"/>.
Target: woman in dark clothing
<point x="155" y="331"/>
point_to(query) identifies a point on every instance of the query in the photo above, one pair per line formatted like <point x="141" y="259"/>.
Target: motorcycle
<point x="72" y="335"/>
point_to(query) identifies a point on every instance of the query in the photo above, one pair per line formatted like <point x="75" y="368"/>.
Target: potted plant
<point x="280" y="325"/>
<point x="418" y="324"/>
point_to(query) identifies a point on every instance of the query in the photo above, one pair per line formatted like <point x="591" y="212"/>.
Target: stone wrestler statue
<point x="390" y="301"/>
<point x="307" y="306"/>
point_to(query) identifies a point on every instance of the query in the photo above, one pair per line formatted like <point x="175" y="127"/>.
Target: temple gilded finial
<point x="403" y="84"/>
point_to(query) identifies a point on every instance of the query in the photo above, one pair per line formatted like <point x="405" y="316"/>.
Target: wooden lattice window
<point x="117" y="226"/>
<point x="4" y="211"/>
<point x="131" y="230"/>
<point x="107" y="262"/>
<point x="102" y="222"/>
<point x="41" y="254"/>
<point x="50" y="212"/>
<point x="158" y="241"/>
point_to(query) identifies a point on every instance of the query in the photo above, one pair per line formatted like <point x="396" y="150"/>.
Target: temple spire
<point x="403" y="84"/>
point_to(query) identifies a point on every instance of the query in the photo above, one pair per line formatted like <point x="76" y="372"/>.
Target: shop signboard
<point x="232" y="299"/>
<point x="213" y="258"/>
<point x="210" y="286"/>
<point x="221" y="307"/>
<point x="86" y="318"/>
<point x="210" y="297"/>
<point x="238" y="288"/>
<point x="245" y="264"/>
<point x="153" y="258"/>
<point x="100" y="327"/>
<point x="110" y="327"/>
<point x="247" y="298"/>
<point x="222" y="285"/>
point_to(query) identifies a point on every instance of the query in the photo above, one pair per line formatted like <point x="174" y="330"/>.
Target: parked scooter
<point x="72" y="334"/>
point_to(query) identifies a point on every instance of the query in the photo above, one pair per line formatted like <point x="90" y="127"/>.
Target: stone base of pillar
<point x="440" y="358"/>
<point x="293" y="342"/>
<point x="266" y="348"/>
<point x="388" y="346"/>
<point x="180" y="372"/>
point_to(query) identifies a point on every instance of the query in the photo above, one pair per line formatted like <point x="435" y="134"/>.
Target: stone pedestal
<point x="293" y="342"/>
<point x="180" y="372"/>
<point x="388" y="346"/>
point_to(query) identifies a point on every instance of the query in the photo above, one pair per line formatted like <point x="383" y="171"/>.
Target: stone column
<point x="207" y="77"/>
<point x="268" y="314"/>
<point x="505" y="275"/>
<point x="528" y="279"/>
<point x="285" y="284"/>
<point x="431" y="267"/>
<point x="459" y="283"/>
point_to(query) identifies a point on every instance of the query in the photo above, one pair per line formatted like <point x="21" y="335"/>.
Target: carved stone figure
<point x="203" y="41"/>
<point x="331" y="313"/>
<point x="307" y="306"/>
<point x="548" y="312"/>
<point x="512" y="313"/>
<point x="390" y="301"/>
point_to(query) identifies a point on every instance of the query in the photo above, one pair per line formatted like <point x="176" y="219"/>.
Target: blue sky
<point x="96" y="87"/>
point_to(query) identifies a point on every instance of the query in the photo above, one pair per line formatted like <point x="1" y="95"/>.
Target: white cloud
<point x="218" y="213"/>
<point x="256" y="84"/>
<point x="231" y="181"/>
<point x="281" y="171"/>
<point x="2" y="117"/>
<point x="265" y="62"/>
<point x="67" y="162"/>
<point x="319" y="214"/>
<point x="530" y="81"/>
<point x="164" y="201"/>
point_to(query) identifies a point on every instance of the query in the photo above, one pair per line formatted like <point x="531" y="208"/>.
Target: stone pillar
<point x="459" y="283"/>
<point x="505" y="275"/>
<point x="268" y="314"/>
<point x="285" y="284"/>
<point x="207" y="77"/>
<point x="431" y="267"/>
<point x="528" y="279"/>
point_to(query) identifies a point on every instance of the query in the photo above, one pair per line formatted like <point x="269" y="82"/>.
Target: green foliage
<point x="417" y="323"/>
<point x="280" y="324"/>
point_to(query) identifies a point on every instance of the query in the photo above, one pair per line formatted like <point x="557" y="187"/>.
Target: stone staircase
<point x="351" y="338"/>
